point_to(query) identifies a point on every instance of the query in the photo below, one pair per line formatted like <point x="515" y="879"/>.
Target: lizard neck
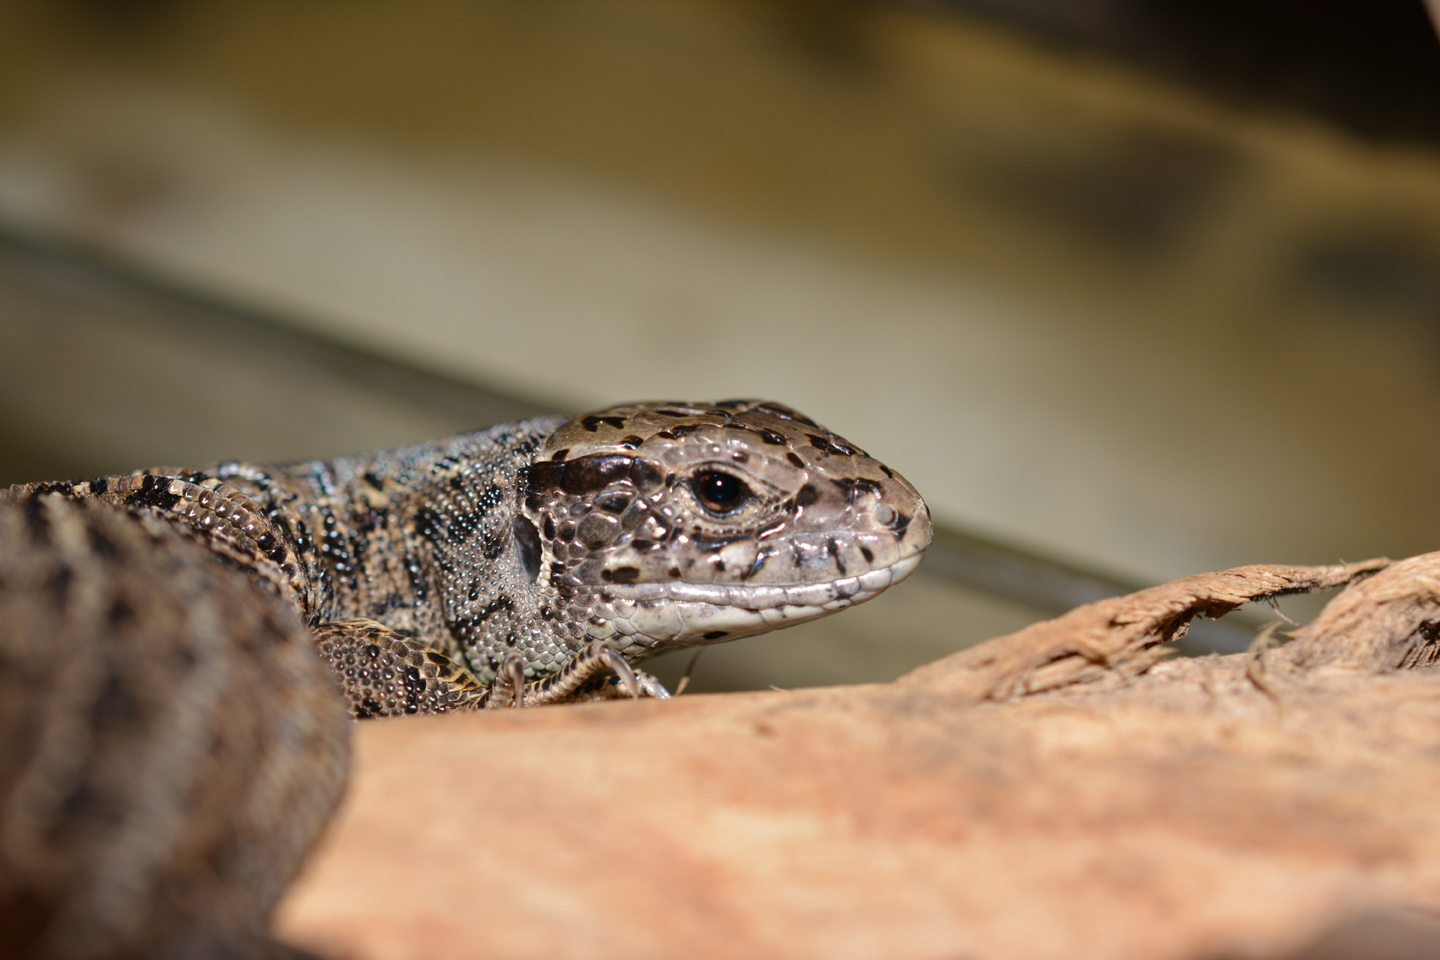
<point x="423" y="540"/>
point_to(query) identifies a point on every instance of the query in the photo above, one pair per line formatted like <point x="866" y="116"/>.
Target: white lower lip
<point x="655" y="616"/>
<point x="747" y="597"/>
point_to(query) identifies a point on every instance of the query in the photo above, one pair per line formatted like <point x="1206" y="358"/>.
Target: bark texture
<point x="1061" y="792"/>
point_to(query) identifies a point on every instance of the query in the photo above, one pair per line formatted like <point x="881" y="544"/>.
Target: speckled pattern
<point x="426" y="570"/>
<point x="169" y="738"/>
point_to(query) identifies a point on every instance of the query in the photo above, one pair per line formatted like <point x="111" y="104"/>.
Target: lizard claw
<point x="508" y="689"/>
<point x="624" y="673"/>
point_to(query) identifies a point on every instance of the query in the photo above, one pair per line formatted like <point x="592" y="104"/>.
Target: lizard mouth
<point x="651" y="617"/>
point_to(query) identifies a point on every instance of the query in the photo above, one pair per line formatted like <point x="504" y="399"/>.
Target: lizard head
<point x="682" y="523"/>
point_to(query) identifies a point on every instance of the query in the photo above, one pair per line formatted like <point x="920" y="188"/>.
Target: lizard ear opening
<point x="527" y="539"/>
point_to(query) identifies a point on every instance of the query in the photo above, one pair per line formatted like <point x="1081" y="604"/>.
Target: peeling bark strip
<point x="1114" y="640"/>
<point x="1388" y="622"/>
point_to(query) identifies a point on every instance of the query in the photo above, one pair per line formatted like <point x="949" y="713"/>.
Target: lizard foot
<point x="598" y="672"/>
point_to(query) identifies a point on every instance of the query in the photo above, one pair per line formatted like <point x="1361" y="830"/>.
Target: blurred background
<point x="1130" y="289"/>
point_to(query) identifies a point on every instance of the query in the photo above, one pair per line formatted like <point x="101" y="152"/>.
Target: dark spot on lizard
<point x="527" y="541"/>
<point x="64" y="489"/>
<point x="560" y="454"/>
<point x="115" y="705"/>
<point x="900" y="524"/>
<point x="806" y="495"/>
<point x="36" y="521"/>
<point x="715" y="544"/>
<point x="418" y="583"/>
<point x="867" y="554"/>
<point x="300" y="536"/>
<point x="363" y="522"/>
<point x="795" y="460"/>
<point x="120" y="612"/>
<point x="99" y="485"/>
<point x="153" y="493"/>
<point x="613" y="502"/>
<point x="526" y="447"/>
<point x="833" y="549"/>
<point x="679" y="432"/>
<point x="830" y="446"/>
<point x="620" y="575"/>
<point x="427" y="524"/>
<point x="856" y="487"/>
<point x="582" y="475"/>
<point x="271" y="544"/>
<point x="493" y="545"/>
<point x="645" y="473"/>
<point x="59" y="585"/>
<point x="82" y="801"/>
<point x="498" y="605"/>
<point x="771" y="437"/>
<point x="386" y="605"/>
<point x="592" y="423"/>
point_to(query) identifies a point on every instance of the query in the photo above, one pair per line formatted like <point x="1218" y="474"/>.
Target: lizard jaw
<point x="648" y="618"/>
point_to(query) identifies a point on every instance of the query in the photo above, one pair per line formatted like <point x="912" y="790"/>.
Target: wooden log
<point x="1061" y="792"/>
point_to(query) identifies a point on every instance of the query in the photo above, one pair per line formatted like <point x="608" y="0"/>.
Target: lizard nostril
<point x="885" y="514"/>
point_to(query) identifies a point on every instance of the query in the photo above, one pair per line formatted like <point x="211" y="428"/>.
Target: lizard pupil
<point x="719" y="492"/>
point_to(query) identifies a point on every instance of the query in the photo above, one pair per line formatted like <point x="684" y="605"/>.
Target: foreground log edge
<point x="1059" y="792"/>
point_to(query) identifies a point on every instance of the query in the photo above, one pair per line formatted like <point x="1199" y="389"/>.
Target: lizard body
<point x="161" y="628"/>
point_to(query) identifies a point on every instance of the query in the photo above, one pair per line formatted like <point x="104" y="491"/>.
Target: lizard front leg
<point x="385" y="673"/>
<point x="598" y="672"/>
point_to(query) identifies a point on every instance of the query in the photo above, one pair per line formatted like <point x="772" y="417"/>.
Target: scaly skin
<point x="165" y="621"/>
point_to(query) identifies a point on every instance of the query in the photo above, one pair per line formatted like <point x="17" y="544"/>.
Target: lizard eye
<point x="719" y="493"/>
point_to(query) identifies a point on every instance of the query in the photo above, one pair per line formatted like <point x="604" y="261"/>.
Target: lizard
<point x="181" y="649"/>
